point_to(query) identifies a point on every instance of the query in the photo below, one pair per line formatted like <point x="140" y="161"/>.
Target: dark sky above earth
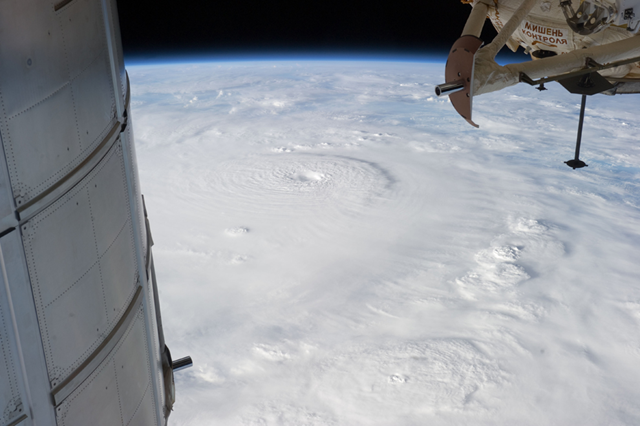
<point x="414" y="27"/>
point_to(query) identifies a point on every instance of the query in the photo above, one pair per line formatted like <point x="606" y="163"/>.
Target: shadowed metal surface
<point x="80" y="328"/>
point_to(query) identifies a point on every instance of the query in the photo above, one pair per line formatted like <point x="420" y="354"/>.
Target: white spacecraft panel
<point x="84" y="35"/>
<point x="110" y="9"/>
<point x="123" y="382"/>
<point x="10" y="378"/>
<point x="55" y="69"/>
<point x="90" y="224"/>
<point x="155" y="356"/>
<point x="9" y="386"/>
<point x="80" y="331"/>
<point x="37" y="398"/>
<point x="133" y="371"/>
<point x="94" y="103"/>
<point x="31" y="67"/>
<point x="134" y="182"/>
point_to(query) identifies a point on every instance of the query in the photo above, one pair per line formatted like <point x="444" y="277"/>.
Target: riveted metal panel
<point x="68" y="295"/>
<point x="32" y="63"/>
<point x="111" y="9"/>
<point x="128" y="143"/>
<point x="121" y="277"/>
<point x="62" y="231"/>
<point x="114" y="237"/>
<point x="134" y="374"/>
<point x="140" y="242"/>
<point x="64" y="82"/>
<point x="145" y="411"/>
<point x="79" y="302"/>
<point x="95" y="402"/>
<point x="38" y="396"/>
<point x="6" y="195"/>
<point x="76" y="258"/>
<point x="39" y="156"/>
<point x="109" y="201"/>
<point x="155" y="355"/>
<point x="122" y="383"/>
<point x="36" y="154"/>
<point x="75" y="322"/>
<point x="84" y="36"/>
<point x="94" y="103"/>
<point x="11" y="406"/>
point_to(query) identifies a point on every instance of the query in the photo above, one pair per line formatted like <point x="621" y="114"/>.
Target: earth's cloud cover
<point x="335" y="245"/>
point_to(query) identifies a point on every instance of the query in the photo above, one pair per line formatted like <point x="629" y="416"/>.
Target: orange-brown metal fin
<point x="460" y="68"/>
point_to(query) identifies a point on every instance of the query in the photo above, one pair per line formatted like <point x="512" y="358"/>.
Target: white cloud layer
<point x="336" y="246"/>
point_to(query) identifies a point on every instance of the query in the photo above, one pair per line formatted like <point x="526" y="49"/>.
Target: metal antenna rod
<point x="576" y="163"/>
<point x="582" y="106"/>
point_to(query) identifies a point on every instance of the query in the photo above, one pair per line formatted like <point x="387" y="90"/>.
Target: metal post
<point x="576" y="163"/>
<point x="582" y="106"/>
<point x="449" y="88"/>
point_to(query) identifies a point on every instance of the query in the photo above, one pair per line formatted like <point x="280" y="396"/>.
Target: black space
<point x="283" y="26"/>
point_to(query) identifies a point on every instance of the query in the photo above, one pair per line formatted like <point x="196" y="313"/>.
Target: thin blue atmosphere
<point x="434" y="56"/>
